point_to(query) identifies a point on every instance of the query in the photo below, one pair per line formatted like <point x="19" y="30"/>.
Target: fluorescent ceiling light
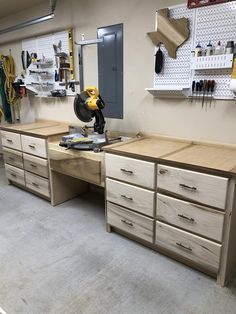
<point x="32" y="22"/>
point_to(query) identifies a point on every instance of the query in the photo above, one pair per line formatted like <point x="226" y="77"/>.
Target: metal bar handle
<point x="33" y="166"/>
<point x="35" y="184"/>
<point x="126" y="197"/>
<point x="13" y="175"/>
<point x="9" y="141"/>
<point x="126" y="171"/>
<point x="186" y="218"/>
<point x="31" y="146"/>
<point x="183" y="246"/>
<point x="163" y="171"/>
<point x="127" y="222"/>
<point x="184" y="186"/>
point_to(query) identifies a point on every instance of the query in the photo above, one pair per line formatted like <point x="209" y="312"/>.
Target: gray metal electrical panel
<point x="110" y="69"/>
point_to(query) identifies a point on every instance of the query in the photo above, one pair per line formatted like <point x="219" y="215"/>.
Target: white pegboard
<point x="177" y="71"/>
<point x="213" y="23"/>
<point x="43" y="46"/>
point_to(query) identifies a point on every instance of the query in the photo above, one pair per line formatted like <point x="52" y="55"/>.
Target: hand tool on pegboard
<point x="193" y="90"/>
<point x="212" y="89"/>
<point x="204" y="89"/>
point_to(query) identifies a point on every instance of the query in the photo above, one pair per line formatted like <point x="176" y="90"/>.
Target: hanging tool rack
<point x="206" y="23"/>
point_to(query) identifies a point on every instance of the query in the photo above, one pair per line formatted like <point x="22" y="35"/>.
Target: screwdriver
<point x="197" y="90"/>
<point x="200" y="88"/>
<point x="193" y="89"/>
<point x="213" y="84"/>
<point x="204" y="91"/>
<point x="208" y="88"/>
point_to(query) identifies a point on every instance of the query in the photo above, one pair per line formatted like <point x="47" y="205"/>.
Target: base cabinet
<point x="186" y="214"/>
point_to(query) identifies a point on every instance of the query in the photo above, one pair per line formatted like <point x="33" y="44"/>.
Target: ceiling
<point x="13" y="6"/>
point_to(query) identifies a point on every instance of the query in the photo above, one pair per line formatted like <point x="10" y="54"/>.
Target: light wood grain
<point x="149" y="147"/>
<point x="13" y="157"/>
<point x="15" y="174"/>
<point x="34" y="146"/>
<point x="38" y="184"/>
<point x="11" y="140"/>
<point x="126" y="195"/>
<point x="213" y="157"/>
<point x="203" y="188"/>
<point x="130" y="170"/>
<point x="191" y="217"/>
<point x="36" y="165"/>
<point x="64" y="188"/>
<point x="135" y="224"/>
<point x="48" y="131"/>
<point x="202" y="251"/>
<point x="18" y="127"/>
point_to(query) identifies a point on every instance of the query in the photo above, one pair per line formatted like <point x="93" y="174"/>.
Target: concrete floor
<point x="61" y="260"/>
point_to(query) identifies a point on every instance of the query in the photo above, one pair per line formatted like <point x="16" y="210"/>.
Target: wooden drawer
<point x="135" y="224"/>
<point x="201" y="251"/>
<point x="13" y="157"/>
<point x="15" y="174"/>
<point x="130" y="170"/>
<point x="200" y="187"/>
<point x="36" y="165"/>
<point x="138" y="199"/>
<point x="37" y="184"/>
<point x="11" y="139"/>
<point x="194" y="218"/>
<point x="34" y="146"/>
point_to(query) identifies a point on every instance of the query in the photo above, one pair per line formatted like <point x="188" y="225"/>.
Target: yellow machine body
<point x="93" y="93"/>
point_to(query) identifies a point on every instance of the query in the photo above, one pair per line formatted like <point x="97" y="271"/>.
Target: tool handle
<point x="193" y="86"/>
<point x="213" y="83"/>
<point x="208" y="86"/>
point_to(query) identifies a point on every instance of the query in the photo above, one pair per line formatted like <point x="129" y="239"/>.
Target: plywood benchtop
<point x="185" y="153"/>
<point x="42" y="128"/>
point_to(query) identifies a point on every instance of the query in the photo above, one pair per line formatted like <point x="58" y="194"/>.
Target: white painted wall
<point x="142" y="112"/>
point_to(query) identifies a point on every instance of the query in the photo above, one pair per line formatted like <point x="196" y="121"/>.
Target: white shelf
<point x="212" y="62"/>
<point x="169" y="91"/>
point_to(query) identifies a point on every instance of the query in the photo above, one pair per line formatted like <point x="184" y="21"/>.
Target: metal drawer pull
<point x="184" y="247"/>
<point x="31" y="146"/>
<point x="11" y="158"/>
<point x="184" y="186"/>
<point x="127" y="223"/>
<point x="35" y="184"/>
<point x="9" y="141"/>
<point x="186" y="218"/>
<point x="13" y="175"/>
<point x="163" y="171"/>
<point x="126" y="197"/>
<point x="126" y="171"/>
<point x="33" y="166"/>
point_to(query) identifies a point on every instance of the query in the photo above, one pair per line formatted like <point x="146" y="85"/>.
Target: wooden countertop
<point x="184" y="153"/>
<point x="43" y="129"/>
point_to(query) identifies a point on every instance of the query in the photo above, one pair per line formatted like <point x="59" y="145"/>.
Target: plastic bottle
<point x="218" y="49"/>
<point x="198" y="50"/>
<point x="209" y="49"/>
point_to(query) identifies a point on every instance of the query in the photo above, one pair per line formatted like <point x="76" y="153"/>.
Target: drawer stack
<point x="193" y="227"/>
<point x="26" y="162"/>
<point x="176" y="210"/>
<point x="130" y="196"/>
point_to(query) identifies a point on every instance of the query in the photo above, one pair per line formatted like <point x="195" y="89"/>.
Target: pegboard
<point x="43" y="46"/>
<point x="207" y="23"/>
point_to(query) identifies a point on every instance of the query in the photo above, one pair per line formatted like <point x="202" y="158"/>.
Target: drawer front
<point x="204" y="252"/>
<point x="34" y="146"/>
<point x="194" y="218"/>
<point x="138" y="199"/>
<point x="13" y="157"/>
<point x="36" y="165"/>
<point x="130" y="170"/>
<point x="37" y="184"/>
<point x="15" y="174"/>
<point x="10" y="139"/>
<point x="135" y="224"/>
<point x="207" y="189"/>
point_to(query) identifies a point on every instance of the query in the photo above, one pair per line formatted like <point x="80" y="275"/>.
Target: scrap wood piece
<point x="170" y="32"/>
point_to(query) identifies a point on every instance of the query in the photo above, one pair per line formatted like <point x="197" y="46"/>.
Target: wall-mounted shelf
<point x="224" y="61"/>
<point x="169" y="91"/>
